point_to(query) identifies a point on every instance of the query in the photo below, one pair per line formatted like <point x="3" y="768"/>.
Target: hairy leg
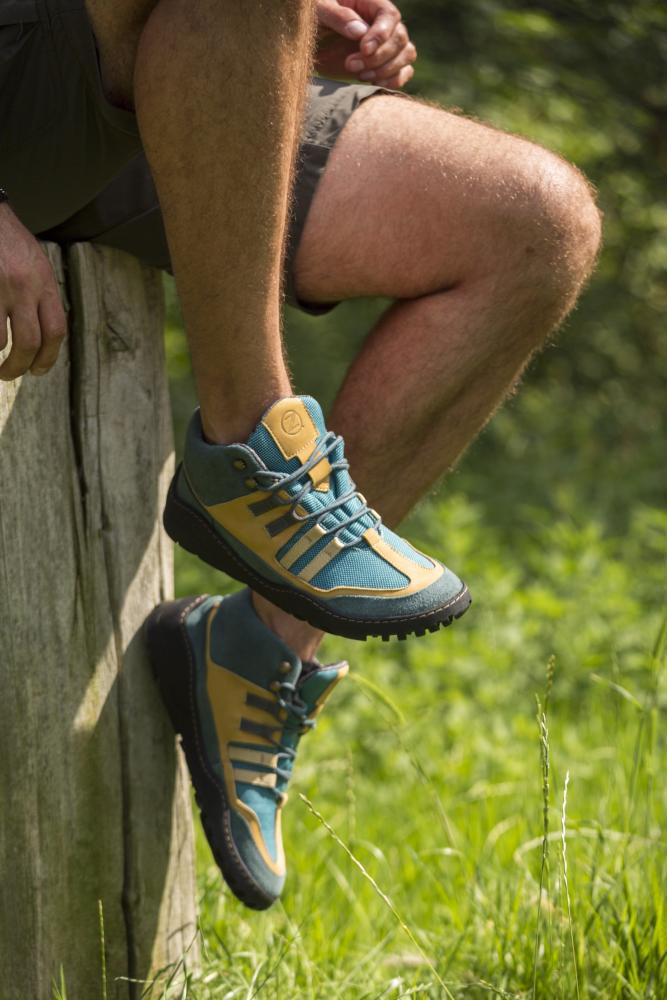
<point x="218" y="88"/>
<point x="484" y="239"/>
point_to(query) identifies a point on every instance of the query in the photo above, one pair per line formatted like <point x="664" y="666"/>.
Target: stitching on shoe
<point x="306" y="597"/>
<point x="242" y="871"/>
<point x="191" y="678"/>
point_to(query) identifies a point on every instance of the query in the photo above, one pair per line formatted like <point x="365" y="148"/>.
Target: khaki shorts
<point x="73" y="165"/>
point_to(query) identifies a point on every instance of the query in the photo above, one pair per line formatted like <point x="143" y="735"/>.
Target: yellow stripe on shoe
<point x="281" y="513"/>
<point x="322" y="559"/>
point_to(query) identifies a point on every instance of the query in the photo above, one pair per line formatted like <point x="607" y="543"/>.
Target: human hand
<point x="365" y="39"/>
<point x="30" y="299"/>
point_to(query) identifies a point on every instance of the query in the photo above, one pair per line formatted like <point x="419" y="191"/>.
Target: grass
<point x="455" y="808"/>
<point x="441" y="843"/>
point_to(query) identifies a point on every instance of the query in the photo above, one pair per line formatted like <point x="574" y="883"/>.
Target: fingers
<point x="391" y="69"/>
<point x="30" y="297"/>
<point x="26" y="341"/>
<point x="53" y="326"/>
<point x="37" y="335"/>
<point x="400" y="80"/>
<point x="386" y="53"/>
<point x="342" y="20"/>
<point x="381" y="31"/>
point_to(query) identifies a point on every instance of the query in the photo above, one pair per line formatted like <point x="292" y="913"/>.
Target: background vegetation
<point x="431" y="765"/>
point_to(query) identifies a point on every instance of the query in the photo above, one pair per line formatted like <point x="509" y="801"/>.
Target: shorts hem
<point x="318" y="141"/>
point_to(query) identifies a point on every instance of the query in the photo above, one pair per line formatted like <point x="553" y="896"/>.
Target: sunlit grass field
<point x="481" y="812"/>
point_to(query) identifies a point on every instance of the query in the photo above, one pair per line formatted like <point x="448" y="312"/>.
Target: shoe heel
<point x="189" y="530"/>
<point x="182" y="525"/>
<point x="169" y="655"/>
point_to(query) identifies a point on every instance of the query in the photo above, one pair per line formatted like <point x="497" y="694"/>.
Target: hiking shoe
<point x="281" y="513"/>
<point x="240" y="700"/>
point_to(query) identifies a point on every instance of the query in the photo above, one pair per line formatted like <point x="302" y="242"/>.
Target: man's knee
<point x="556" y="212"/>
<point x="505" y="206"/>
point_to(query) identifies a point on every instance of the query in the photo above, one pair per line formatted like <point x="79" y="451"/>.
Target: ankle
<point x="234" y="430"/>
<point x="302" y="638"/>
<point x="234" y="423"/>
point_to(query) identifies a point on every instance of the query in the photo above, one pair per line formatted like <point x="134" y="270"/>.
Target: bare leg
<point x="218" y="87"/>
<point x="486" y="239"/>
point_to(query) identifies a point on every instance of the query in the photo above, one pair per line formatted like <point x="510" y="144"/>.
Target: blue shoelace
<point x="290" y="702"/>
<point x="274" y="482"/>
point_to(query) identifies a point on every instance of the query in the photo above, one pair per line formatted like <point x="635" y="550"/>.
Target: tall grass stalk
<point x="59" y="989"/>
<point x="383" y="895"/>
<point x="651" y="708"/>
<point x="563" y="828"/>
<point x="646" y="739"/>
<point x="544" y="764"/>
<point x="551" y="670"/>
<point x="351" y="797"/>
<point x="103" y="950"/>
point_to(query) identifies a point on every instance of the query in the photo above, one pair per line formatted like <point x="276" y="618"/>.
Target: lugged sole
<point x="193" y="533"/>
<point x="172" y="662"/>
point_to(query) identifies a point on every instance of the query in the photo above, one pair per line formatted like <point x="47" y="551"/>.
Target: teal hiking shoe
<point x="281" y="513"/>
<point x="240" y="700"/>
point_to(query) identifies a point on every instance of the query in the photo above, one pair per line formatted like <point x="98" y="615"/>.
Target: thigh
<point x="413" y="200"/>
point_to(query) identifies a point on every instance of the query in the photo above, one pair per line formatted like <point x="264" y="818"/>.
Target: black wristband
<point x="3" y="195"/>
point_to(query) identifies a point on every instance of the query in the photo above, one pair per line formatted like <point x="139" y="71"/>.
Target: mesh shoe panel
<point x="362" y="565"/>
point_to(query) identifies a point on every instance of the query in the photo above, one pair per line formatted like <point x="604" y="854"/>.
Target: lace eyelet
<point x="285" y="667"/>
<point x="251" y="484"/>
<point x="239" y="464"/>
<point x="274" y="686"/>
<point x="282" y="714"/>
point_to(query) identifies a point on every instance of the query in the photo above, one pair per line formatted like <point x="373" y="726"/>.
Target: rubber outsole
<point x="194" y="533"/>
<point x="172" y="661"/>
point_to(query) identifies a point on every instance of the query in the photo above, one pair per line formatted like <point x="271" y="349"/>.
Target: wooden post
<point x="94" y="805"/>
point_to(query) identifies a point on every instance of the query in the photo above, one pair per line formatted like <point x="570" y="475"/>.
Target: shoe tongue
<point x="285" y="438"/>
<point x="317" y="683"/>
<point x="288" y="432"/>
<point x="313" y="687"/>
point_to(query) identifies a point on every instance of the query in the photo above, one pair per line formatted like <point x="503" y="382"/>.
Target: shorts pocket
<point x="28" y="93"/>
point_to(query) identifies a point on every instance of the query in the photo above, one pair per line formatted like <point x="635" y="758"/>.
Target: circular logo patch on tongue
<point x="291" y="422"/>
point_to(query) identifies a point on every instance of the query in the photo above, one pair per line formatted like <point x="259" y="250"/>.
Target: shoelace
<point x="296" y="708"/>
<point x="273" y="482"/>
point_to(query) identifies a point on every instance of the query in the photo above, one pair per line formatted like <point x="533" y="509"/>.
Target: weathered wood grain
<point x="93" y="800"/>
